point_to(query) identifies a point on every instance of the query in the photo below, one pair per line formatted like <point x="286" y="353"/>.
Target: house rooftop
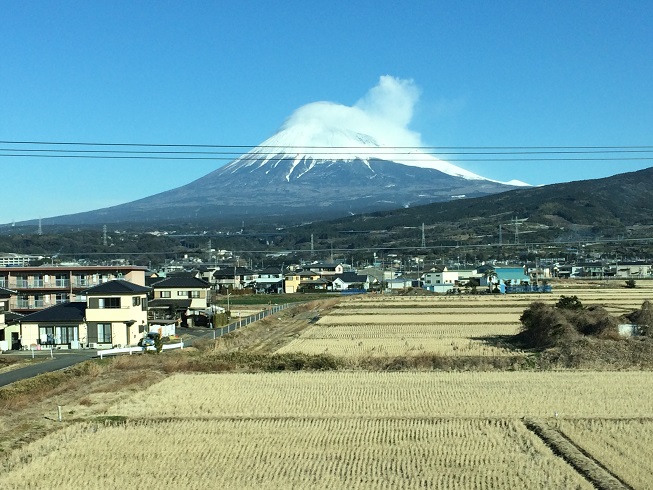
<point x="74" y="311"/>
<point x="117" y="286"/>
<point x="180" y="282"/>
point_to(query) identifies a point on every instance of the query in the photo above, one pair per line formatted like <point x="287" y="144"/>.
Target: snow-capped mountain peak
<point x="313" y="143"/>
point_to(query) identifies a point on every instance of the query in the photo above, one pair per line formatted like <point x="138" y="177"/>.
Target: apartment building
<point x="45" y="286"/>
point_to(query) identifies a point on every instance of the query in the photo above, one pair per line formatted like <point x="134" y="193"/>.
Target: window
<point x="108" y="302"/>
<point x="165" y="294"/>
<point x="136" y="301"/>
<point x="46" y="335"/>
<point x="61" y="298"/>
<point x="194" y="294"/>
<point x="104" y="333"/>
<point x="182" y="293"/>
<point x="21" y="281"/>
<point x="61" y="281"/>
<point x="66" y="335"/>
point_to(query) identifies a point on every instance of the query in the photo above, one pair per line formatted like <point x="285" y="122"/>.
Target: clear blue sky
<point x="490" y="73"/>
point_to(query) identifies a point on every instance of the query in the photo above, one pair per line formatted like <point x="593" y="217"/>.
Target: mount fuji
<point x="307" y="171"/>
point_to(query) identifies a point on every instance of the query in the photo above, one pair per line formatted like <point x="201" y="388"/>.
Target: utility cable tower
<point x="423" y="237"/>
<point x="312" y="246"/>
<point x="500" y="235"/>
<point x="40" y="232"/>
<point x="516" y="222"/>
<point x="104" y="235"/>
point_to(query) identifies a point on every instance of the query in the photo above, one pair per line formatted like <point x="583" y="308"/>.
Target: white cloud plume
<point x="384" y="113"/>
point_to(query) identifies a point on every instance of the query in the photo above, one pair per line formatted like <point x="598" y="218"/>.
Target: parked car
<point x="149" y="340"/>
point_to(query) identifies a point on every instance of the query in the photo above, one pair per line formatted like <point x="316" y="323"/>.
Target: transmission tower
<point x="423" y="237"/>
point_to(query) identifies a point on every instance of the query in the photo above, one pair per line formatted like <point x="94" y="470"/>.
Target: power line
<point x="406" y="154"/>
<point x="85" y="143"/>
<point x="142" y="157"/>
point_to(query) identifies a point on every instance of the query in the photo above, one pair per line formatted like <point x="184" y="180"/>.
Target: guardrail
<point x="140" y="350"/>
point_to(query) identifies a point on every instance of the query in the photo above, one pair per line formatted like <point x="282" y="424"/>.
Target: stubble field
<point x="362" y="429"/>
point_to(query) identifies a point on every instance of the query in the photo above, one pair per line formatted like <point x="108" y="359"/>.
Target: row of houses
<point x="114" y="305"/>
<point x="118" y="311"/>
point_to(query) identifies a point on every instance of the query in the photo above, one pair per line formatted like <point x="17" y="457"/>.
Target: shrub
<point x="643" y="318"/>
<point x="631" y="284"/>
<point x="543" y="326"/>
<point x="569" y="303"/>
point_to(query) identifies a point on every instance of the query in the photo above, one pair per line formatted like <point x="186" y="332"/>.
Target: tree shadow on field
<point x="507" y="342"/>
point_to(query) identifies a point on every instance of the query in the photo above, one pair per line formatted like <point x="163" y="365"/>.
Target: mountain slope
<point x="608" y="207"/>
<point x="305" y="172"/>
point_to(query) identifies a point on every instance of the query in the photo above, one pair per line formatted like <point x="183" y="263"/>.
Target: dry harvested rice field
<point x="362" y="429"/>
<point x="378" y="325"/>
<point x="348" y="430"/>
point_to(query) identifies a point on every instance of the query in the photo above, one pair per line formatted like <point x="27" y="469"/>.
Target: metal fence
<point x="246" y="320"/>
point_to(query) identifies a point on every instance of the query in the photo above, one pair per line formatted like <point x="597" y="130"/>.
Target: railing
<point x="138" y="350"/>
<point x="26" y="284"/>
<point x="244" y="321"/>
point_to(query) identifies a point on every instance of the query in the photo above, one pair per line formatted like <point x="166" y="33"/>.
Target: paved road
<point x="61" y="360"/>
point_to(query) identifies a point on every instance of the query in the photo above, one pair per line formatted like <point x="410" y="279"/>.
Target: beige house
<point x="291" y="281"/>
<point x="114" y="314"/>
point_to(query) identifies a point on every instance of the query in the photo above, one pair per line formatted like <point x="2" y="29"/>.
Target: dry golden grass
<point x="355" y="341"/>
<point x="622" y="446"/>
<point x="293" y="453"/>
<point x="398" y="394"/>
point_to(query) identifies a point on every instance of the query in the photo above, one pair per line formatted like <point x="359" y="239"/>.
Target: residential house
<point x="291" y="282"/>
<point x="234" y="278"/>
<point x="440" y="279"/>
<point x="270" y="280"/>
<point x="351" y="281"/>
<point x="116" y="313"/>
<point x="59" y="326"/>
<point x="401" y="282"/>
<point x="326" y="269"/>
<point x="511" y="275"/>
<point x="179" y="298"/>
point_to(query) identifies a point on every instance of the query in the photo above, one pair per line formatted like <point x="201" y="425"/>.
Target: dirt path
<point x="270" y="334"/>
